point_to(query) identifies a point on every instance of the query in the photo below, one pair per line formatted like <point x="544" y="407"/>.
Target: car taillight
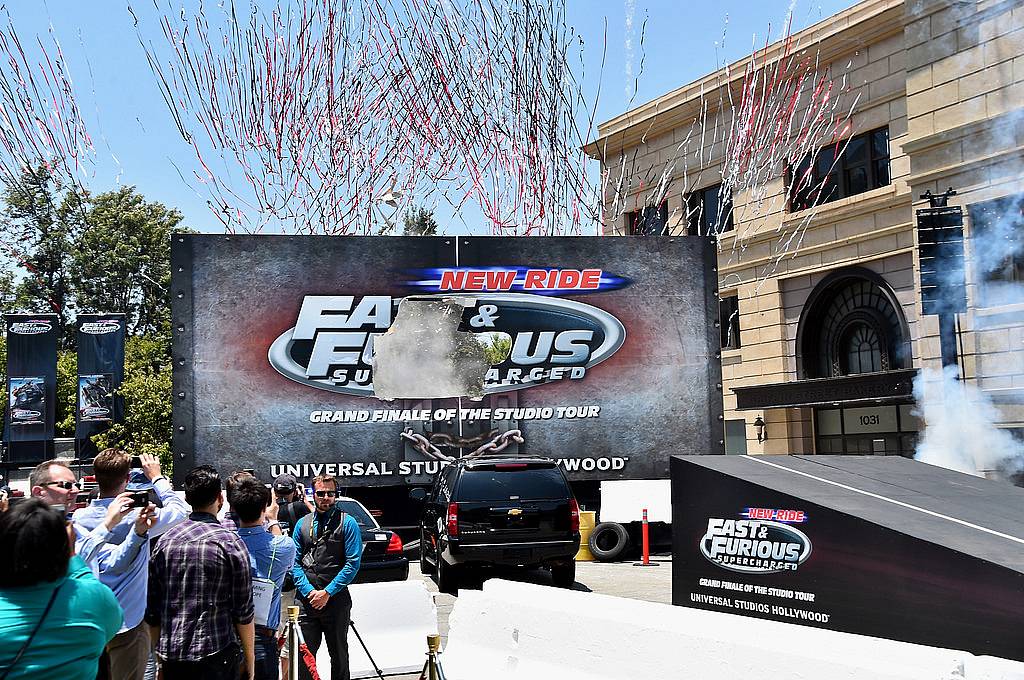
<point x="453" y="519"/>
<point x="394" y="545"/>
<point x="574" y="515"/>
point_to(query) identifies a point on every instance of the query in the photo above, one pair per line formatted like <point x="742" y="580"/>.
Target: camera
<point x="140" y="499"/>
<point x="136" y="462"/>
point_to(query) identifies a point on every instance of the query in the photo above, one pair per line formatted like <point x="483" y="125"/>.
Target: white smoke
<point x="960" y="433"/>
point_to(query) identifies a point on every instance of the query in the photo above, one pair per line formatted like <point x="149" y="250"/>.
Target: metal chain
<point x="498" y="444"/>
<point x="423" y="445"/>
<point x="445" y="439"/>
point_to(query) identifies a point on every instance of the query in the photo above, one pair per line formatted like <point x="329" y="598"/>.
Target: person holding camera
<point x="272" y="554"/>
<point x="55" y="616"/>
<point x="54" y="483"/>
<point x="200" y="605"/>
<point x="129" y="650"/>
<point x="329" y="549"/>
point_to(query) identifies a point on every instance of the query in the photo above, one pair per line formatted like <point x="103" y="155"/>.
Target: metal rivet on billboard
<point x="181" y="329"/>
<point x="718" y="355"/>
<point x="718" y="386"/>
<point x="717" y="324"/>
<point x="181" y="362"/>
<point x="181" y="295"/>
<point x="181" y="240"/>
<point x="714" y="269"/>
<point x="181" y="395"/>
<point x="181" y="428"/>
<point x="181" y="269"/>
<point x="721" y="442"/>
<point x="721" y="417"/>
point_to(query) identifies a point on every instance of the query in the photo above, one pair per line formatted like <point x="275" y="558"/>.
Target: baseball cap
<point x="285" y="484"/>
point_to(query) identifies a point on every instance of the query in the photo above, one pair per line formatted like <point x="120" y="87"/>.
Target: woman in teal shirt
<point x="47" y="591"/>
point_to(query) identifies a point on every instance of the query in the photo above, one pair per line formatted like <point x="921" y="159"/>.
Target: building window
<point x="997" y="249"/>
<point x="708" y="212"/>
<point x="736" y="437"/>
<point x="860" y="350"/>
<point x="862" y="166"/>
<point x="729" y="321"/>
<point x="652" y="220"/>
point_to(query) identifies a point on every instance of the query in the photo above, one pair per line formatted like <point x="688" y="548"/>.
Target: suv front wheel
<point x="564" y="575"/>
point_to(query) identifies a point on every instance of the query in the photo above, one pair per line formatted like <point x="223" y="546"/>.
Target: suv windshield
<point x="358" y="513"/>
<point x="501" y="485"/>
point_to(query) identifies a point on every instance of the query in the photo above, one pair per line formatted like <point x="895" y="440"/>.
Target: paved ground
<point x="621" y="579"/>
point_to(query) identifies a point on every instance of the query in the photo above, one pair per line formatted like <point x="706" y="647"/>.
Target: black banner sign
<point x="874" y="545"/>
<point x="31" y="386"/>
<point x="101" y="340"/>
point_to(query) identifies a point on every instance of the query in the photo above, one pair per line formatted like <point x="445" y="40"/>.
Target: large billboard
<point x="380" y="359"/>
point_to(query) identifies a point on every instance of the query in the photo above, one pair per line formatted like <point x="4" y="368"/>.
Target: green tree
<point x="147" y="401"/>
<point x="41" y="221"/>
<point x="121" y="262"/>
<point x="419" y="222"/>
<point x="67" y="392"/>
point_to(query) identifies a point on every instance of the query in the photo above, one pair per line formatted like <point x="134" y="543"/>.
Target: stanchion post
<point x="292" y="640"/>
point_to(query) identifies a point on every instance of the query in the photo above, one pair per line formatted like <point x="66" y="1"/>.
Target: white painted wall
<point x="516" y="630"/>
<point x="624" y="501"/>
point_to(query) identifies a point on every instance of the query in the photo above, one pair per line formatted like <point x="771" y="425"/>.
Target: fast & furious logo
<point x="754" y="546"/>
<point x="331" y="345"/>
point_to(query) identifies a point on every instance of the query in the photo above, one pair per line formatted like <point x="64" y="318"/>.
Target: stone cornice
<point x="836" y="37"/>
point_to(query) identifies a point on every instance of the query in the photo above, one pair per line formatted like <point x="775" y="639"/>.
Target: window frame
<point x="695" y="205"/>
<point x="817" y="192"/>
<point x="726" y="321"/>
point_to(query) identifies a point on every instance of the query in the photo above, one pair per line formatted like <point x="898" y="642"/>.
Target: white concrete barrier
<point x="516" y="630"/>
<point x="394" y="620"/>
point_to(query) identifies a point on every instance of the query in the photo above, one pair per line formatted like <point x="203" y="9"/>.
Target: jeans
<point x="331" y="623"/>
<point x="224" y="665"/>
<point x="267" y="664"/>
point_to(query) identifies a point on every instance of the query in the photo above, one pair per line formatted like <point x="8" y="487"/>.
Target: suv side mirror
<point x="418" y="494"/>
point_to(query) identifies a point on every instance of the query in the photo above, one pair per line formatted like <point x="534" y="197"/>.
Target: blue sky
<point x="128" y="119"/>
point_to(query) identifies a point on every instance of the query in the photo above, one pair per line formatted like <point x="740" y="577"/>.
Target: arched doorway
<point x="852" y="325"/>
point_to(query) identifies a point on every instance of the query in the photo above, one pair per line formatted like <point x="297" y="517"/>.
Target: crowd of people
<point x="141" y="584"/>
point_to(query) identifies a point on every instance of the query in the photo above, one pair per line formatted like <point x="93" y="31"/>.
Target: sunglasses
<point x="325" y="494"/>
<point x="66" y="485"/>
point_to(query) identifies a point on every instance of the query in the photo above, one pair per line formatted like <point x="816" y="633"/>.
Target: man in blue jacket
<point x="328" y="549"/>
<point x="129" y="650"/>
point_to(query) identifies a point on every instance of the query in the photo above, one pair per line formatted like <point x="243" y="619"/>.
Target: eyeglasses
<point x="66" y="485"/>
<point x="326" y="494"/>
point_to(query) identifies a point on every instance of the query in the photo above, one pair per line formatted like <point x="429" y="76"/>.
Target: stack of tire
<point x="609" y="541"/>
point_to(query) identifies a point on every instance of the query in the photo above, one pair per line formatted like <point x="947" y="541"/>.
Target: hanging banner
<point x="31" y="386"/>
<point x="101" y="340"/>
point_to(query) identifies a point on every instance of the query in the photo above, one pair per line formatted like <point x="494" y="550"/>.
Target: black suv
<point x="507" y="511"/>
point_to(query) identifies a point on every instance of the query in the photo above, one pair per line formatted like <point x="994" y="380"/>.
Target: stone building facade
<point x="830" y="331"/>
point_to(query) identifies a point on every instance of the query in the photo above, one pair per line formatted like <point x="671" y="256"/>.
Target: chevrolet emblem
<point x="515" y="512"/>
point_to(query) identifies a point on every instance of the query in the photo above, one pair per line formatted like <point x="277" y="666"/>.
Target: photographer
<point x="272" y="554"/>
<point x="129" y="650"/>
<point x="55" y="616"/>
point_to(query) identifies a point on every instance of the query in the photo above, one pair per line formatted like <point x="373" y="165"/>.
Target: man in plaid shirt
<point x="200" y="591"/>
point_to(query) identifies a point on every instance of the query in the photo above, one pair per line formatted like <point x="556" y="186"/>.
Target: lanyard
<point x="273" y="556"/>
<point x="327" y="523"/>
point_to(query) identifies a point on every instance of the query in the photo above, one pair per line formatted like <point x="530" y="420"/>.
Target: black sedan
<point x="382" y="548"/>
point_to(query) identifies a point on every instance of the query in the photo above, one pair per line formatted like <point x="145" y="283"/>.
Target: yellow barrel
<point x="587" y="522"/>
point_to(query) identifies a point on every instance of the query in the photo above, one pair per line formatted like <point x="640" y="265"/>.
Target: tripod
<point x="431" y="668"/>
<point x="366" y="649"/>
